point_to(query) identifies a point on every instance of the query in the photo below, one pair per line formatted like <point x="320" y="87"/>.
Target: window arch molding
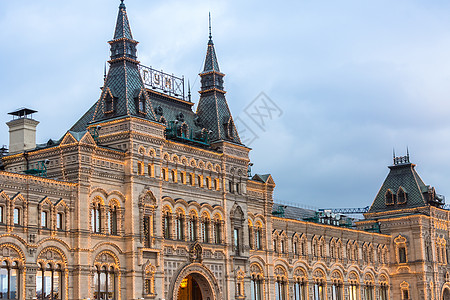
<point x="257" y="289"/>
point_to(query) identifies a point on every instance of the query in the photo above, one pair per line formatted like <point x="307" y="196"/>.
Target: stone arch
<point x="445" y="294"/>
<point x="205" y="278"/>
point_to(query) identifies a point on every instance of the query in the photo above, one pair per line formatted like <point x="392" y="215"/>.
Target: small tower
<point x="22" y="130"/>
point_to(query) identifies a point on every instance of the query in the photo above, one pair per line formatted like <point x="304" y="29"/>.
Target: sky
<point x="349" y="80"/>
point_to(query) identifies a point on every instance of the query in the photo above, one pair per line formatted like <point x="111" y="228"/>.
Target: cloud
<point x="354" y="79"/>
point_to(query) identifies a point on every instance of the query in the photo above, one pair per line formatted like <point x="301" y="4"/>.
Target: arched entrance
<point x="189" y="289"/>
<point x="194" y="282"/>
<point x="446" y="294"/>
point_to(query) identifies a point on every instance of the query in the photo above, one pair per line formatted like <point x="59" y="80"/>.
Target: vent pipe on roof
<point x="22" y="131"/>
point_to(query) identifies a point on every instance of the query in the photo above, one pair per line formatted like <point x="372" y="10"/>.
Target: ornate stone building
<point x="143" y="198"/>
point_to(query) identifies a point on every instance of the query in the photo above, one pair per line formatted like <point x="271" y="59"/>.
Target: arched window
<point x="258" y="237"/>
<point x="104" y="282"/>
<point x="257" y="282"/>
<point x="112" y="219"/>
<point x="281" y="284"/>
<point x="389" y="197"/>
<point x="300" y="284"/>
<point x="174" y="175"/>
<point x="217" y="230"/>
<point x="205" y="228"/>
<point x="353" y="286"/>
<point x="402" y="197"/>
<point x="167" y="224"/>
<point x="149" y="280"/>
<point x="96" y="218"/>
<point x="369" y="287"/>
<point x="336" y="288"/>
<point x="180" y="225"/>
<point x="49" y="281"/>
<point x="193" y="228"/>
<point x="9" y="280"/>
<point x="384" y="288"/>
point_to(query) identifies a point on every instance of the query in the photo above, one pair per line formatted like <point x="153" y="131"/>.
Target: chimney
<point x="22" y="130"/>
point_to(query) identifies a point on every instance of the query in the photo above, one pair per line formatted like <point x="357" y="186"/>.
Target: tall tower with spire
<point x="213" y="108"/>
<point x="123" y="93"/>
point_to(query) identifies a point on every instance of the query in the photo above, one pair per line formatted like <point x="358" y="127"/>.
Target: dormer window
<point x="402" y="196"/>
<point x="389" y="197"/>
<point x="140" y="103"/>
<point x="109" y="103"/>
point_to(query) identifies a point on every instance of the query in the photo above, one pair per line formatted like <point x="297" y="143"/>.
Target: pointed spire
<point x="210" y="34"/>
<point x="123" y="29"/>
<point x="189" y="91"/>
<point x="211" y="63"/>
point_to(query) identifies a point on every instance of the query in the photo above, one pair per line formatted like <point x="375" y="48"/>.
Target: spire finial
<point x="189" y="91"/>
<point x="122" y="5"/>
<point x="210" y="34"/>
<point x="104" y="72"/>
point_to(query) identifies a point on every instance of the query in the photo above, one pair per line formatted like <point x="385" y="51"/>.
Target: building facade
<point x="143" y="198"/>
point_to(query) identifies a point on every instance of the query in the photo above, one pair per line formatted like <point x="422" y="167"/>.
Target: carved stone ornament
<point x="196" y="253"/>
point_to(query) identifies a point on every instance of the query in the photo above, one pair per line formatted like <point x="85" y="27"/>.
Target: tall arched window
<point x="256" y="282"/>
<point x="193" y="228"/>
<point x="319" y="285"/>
<point x="9" y="280"/>
<point x="281" y="284"/>
<point x="353" y="286"/>
<point x="300" y="285"/>
<point x="96" y="218"/>
<point x="104" y="282"/>
<point x="217" y="229"/>
<point x="180" y="225"/>
<point x="44" y="221"/>
<point x="167" y="224"/>
<point x="49" y="281"/>
<point x="205" y="228"/>
<point x="112" y="219"/>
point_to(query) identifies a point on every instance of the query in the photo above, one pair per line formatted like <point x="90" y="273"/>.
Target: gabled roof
<point x="405" y="176"/>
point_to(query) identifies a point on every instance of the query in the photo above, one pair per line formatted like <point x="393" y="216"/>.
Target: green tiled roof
<point x="405" y="176"/>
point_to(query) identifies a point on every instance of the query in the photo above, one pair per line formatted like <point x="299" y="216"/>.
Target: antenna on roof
<point x="393" y="153"/>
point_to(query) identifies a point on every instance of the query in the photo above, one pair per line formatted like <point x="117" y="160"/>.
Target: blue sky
<point x="354" y="79"/>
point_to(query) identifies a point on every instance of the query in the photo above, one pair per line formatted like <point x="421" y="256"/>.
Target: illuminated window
<point x="174" y="175"/>
<point x="9" y="280"/>
<point x="140" y="168"/>
<point x="151" y="170"/>
<point x="217" y="184"/>
<point x="200" y="180"/>
<point x="104" y="283"/>
<point x="353" y="291"/>
<point x="49" y="282"/>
